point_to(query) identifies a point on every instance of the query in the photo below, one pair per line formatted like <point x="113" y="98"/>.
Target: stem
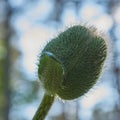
<point x="44" y="107"/>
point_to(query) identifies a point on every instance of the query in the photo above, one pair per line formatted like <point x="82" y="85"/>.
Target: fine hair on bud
<point x="71" y="63"/>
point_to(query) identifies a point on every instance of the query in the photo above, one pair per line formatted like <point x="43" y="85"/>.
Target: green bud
<point x="71" y="63"/>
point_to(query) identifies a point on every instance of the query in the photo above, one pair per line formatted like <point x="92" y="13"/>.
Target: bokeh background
<point x="25" y="28"/>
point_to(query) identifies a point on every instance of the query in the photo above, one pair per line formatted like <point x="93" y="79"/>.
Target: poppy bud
<point x="71" y="63"/>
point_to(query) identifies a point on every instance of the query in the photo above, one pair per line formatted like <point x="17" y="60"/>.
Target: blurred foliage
<point x="106" y="115"/>
<point x="12" y="79"/>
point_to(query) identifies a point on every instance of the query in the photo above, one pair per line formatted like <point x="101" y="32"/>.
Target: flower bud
<point x="71" y="63"/>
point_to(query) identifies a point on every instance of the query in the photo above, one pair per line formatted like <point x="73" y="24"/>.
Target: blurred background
<point x="25" y="28"/>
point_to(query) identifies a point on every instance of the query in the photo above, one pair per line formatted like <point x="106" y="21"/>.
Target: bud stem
<point x="44" y="107"/>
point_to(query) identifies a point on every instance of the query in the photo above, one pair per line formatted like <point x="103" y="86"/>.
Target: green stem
<point x="44" y="107"/>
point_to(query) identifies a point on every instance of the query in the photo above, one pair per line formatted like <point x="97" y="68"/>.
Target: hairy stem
<point x="44" y="107"/>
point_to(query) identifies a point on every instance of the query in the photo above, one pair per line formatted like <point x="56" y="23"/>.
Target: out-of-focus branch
<point x="6" y="63"/>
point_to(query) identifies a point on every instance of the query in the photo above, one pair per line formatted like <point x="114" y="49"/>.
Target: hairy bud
<point x="71" y="63"/>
